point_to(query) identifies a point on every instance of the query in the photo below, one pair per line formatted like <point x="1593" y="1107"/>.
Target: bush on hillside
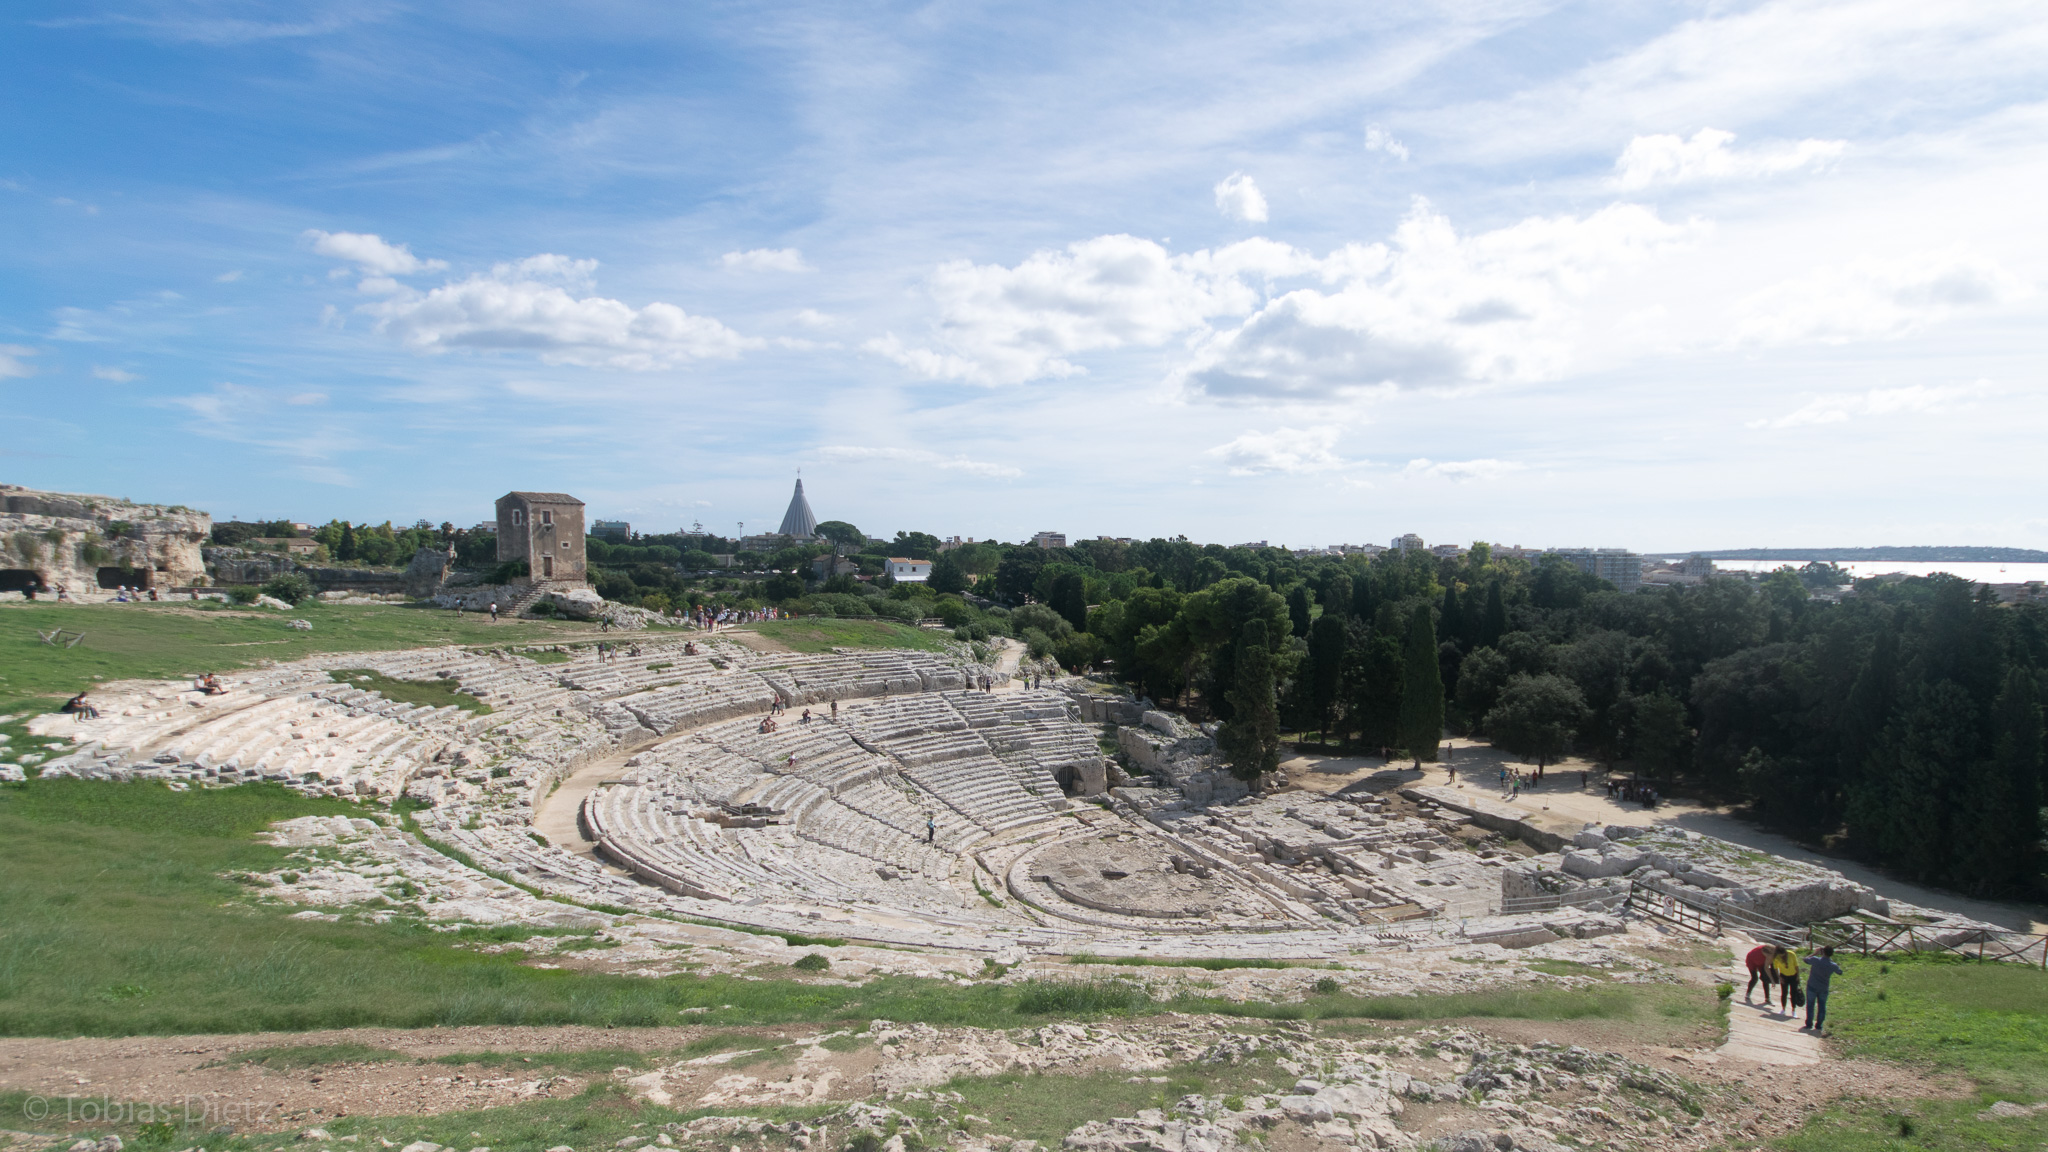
<point x="293" y="588"/>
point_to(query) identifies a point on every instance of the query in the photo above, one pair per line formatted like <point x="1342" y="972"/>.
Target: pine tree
<point x="1422" y="688"/>
<point x="1251" y="738"/>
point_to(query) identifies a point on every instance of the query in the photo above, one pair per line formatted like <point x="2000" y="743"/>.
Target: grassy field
<point x="171" y="640"/>
<point x="1984" y="1025"/>
<point x="822" y="634"/>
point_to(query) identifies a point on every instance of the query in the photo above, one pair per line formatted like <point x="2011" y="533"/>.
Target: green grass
<point x="822" y="634"/>
<point x="1983" y="1022"/>
<point x="171" y="640"/>
<point x="424" y="693"/>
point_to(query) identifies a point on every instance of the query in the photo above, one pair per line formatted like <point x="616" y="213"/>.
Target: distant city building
<point x="1251" y="544"/>
<point x="1695" y="565"/>
<point x="487" y="528"/>
<point x="1408" y="543"/>
<point x="952" y="542"/>
<point x="1617" y="566"/>
<point x="1447" y="551"/>
<point x="1050" y="540"/>
<point x="766" y="542"/>
<point x="616" y="531"/>
<point x="798" y="521"/>
<point x="905" y="570"/>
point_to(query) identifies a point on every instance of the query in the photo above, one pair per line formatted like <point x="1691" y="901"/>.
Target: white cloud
<point x="1918" y="399"/>
<point x="117" y="375"/>
<point x="1875" y="299"/>
<point x="1459" y="470"/>
<point x="1672" y="160"/>
<point x="10" y="360"/>
<point x="1433" y="308"/>
<point x="1430" y="308"/>
<point x="765" y="260"/>
<point x="1239" y="198"/>
<point x="1378" y="139"/>
<point x="920" y="458"/>
<point x="228" y="277"/>
<point x="371" y="253"/>
<point x="1003" y="325"/>
<point x="812" y="318"/>
<point x="528" y="306"/>
<point x="1290" y="450"/>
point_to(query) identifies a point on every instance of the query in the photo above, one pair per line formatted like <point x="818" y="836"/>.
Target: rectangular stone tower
<point x="545" y="529"/>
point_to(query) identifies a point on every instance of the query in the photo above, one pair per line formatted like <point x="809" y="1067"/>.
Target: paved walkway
<point x="1759" y="1033"/>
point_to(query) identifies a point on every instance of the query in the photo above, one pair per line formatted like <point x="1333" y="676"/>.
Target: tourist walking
<point x="1759" y="964"/>
<point x="494" y="611"/>
<point x="931" y="828"/>
<point x="1821" y="969"/>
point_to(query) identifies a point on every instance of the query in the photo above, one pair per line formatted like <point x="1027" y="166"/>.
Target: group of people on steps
<point x="1776" y="966"/>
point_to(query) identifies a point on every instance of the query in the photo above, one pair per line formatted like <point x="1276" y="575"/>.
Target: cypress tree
<point x="1495" y="623"/>
<point x="2002" y="854"/>
<point x="1297" y="609"/>
<point x="347" y="549"/>
<point x="1422" y="688"/>
<point x="1325" y="668"/>
<point x="1251" y="737"/>
<point x="1452" y="625"/>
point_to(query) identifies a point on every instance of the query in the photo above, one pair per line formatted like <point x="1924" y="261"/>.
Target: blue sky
<point x="1655" y="276"/>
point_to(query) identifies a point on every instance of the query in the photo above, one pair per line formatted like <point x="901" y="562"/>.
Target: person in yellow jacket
<point x="1786" y="963"/>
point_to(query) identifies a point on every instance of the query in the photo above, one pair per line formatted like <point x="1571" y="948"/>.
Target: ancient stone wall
<point x="83" y="543"/>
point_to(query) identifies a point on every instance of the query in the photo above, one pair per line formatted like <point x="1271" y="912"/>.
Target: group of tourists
<point x="709" y="618"/>
<point x="609" y="653"/>
<point x="1634" y="791"/>
<point x="1776" y="966"/>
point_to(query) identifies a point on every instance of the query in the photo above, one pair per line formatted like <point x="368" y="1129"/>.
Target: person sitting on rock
<point x="80" y="708"/>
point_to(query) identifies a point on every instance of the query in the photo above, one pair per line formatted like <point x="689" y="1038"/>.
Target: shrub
<point x="814" y="962"/>
<point x="543" y="608"/>
<point x="293" y="588"/>
<point x="244" y="594"/>
<point x="1328" y="986"/>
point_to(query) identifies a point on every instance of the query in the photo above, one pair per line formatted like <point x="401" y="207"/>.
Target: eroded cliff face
<point x="84" y="543"/>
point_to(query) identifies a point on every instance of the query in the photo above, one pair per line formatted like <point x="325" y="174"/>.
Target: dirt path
<point x="557" y="818"/>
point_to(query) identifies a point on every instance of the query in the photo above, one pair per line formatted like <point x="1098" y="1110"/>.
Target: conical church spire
<point x="798" y="521"/>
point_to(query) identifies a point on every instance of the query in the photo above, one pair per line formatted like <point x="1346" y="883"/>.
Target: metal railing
<point x="1709" y="917"/>
<point x="1976" y="943"/>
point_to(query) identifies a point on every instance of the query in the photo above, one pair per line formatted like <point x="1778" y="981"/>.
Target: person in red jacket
<point x="1759" y="963"/>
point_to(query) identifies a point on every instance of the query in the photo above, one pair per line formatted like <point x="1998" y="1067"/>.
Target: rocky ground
<point x="1288" y="1085"/>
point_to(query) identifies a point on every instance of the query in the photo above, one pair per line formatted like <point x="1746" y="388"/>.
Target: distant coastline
<point x="1917" y="555"/>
